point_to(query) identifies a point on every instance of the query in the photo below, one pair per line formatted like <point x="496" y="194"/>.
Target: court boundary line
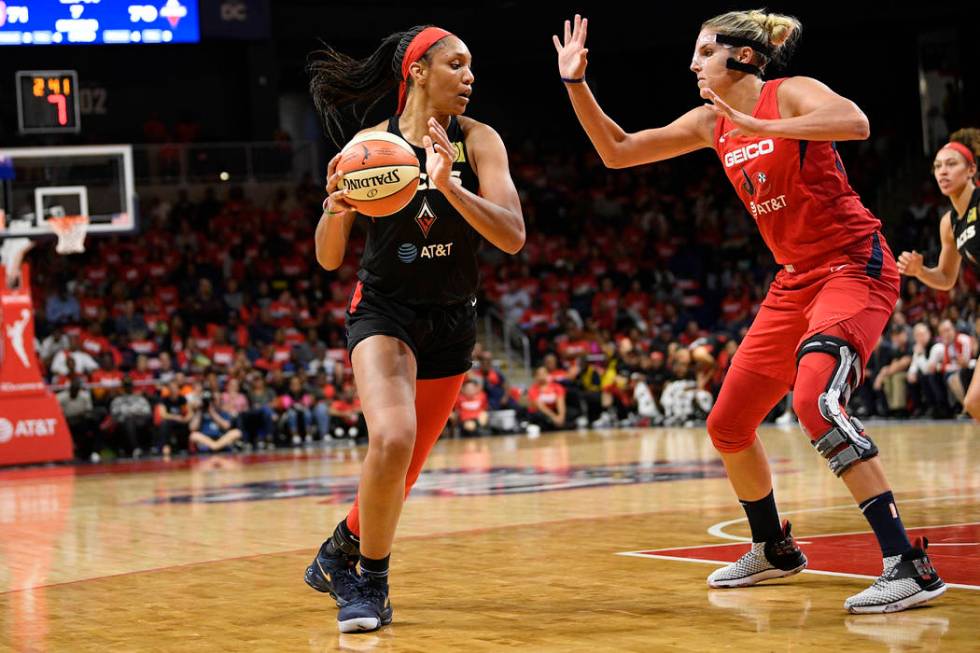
<point x="653" y="552"/>
<point x="469" y="531"/>
<point x="819" y="572"/>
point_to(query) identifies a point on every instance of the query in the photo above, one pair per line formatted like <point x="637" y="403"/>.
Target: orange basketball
<point x="380" y="172"/>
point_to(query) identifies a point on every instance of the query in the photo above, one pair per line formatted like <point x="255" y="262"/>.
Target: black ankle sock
<point x="882" y="514"/>
<point x="375" y="569"/>
<point x="763" y="519"/>
<point x="343" y="539"/>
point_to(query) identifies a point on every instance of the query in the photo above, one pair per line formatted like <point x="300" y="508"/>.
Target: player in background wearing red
<point x="411" y="322"/>
<point x="955" y="169"/>
<point x="825" y="309"/>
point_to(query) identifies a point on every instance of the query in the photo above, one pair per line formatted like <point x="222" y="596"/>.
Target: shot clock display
<point x="47" y="101"/>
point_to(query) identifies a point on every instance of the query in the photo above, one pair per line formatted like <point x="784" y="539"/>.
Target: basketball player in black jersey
<point x="955" y="168"/>
<point x="411" y="322"/>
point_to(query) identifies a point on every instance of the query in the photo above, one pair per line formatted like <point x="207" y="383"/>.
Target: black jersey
<point x="965" y="230"/>
<point x="426" y="253"/>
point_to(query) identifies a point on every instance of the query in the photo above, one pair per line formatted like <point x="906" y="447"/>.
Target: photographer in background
<point x="211" y="429"/>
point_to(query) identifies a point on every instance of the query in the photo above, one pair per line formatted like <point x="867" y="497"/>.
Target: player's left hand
<point x="440" y="154"/>
<point x="745" y="125"/>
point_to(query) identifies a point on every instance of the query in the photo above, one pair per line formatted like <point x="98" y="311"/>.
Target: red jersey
<point x="546" y="395"/>
<point x="797" y="191"/>
<point x="471" y="407"/>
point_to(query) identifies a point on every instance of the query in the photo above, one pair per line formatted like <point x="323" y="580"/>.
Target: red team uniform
<point x="837" y="268"/>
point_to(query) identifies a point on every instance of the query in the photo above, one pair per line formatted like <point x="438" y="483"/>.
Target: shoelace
<point x="886" y="576"/>
<point x="374" y="592"/>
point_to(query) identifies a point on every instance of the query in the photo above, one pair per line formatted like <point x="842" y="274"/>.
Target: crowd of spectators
<point x="213" y="328"/>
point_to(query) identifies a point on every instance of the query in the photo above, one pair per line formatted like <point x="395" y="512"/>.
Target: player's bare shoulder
<point x="477" y="132"/>
<point x="479" y="137"/>
<point x="704" y="120"/>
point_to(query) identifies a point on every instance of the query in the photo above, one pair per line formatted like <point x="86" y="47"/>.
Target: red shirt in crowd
<point x="470" y="407"/>
<point x="546" y="395"/>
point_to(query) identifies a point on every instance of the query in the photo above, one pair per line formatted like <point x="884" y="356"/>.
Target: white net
<point x="71" y="230"/>
<point x="12" y="253"/>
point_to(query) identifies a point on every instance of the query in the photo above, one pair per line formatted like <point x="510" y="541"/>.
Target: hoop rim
<point x="63" y="223"/>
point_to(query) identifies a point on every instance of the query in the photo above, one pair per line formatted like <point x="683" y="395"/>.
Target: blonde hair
<point x="968" y="136"/>
<point x="777" y="31"/>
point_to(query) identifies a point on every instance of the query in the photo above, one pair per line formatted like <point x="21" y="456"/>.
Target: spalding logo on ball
<point x="380" y="172"/>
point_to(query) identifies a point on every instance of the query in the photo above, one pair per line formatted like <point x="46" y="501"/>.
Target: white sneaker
<point x="764" y="561"/>
<point x="605" y="421"/>
<point x="906" y="580"/>
<point x="786" y="419"/>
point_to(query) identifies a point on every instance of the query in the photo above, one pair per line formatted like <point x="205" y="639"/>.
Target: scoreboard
<point x="47" y="101"/>
<point x="86" y="22"/>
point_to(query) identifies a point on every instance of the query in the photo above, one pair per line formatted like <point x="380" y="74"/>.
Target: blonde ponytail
<point x="776" y="31"/>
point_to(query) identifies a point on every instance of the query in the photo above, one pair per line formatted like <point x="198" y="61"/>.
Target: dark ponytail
<point x="338" y="82"/>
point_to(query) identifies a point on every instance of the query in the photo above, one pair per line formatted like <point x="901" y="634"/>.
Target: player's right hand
<point x="572" y="54"/>
<point x="336" y="197"/>
<point x="910" y="263"/>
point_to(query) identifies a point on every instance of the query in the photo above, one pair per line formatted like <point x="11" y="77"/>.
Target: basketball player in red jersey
<point x="955" y="169"/>
<point x="411" y="322"/>
<point x="825" y="309"/>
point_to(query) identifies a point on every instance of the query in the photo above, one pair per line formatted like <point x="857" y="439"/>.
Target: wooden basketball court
<point x="569" y="542"/>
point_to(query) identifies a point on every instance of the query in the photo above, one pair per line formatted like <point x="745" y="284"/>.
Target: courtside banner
<point x="32" y="427"/>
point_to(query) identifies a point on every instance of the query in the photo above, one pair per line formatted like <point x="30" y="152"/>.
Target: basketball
<point x="380" y="172"/>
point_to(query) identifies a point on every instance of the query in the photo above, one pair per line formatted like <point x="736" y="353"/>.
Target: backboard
<point x="42" y="182"/>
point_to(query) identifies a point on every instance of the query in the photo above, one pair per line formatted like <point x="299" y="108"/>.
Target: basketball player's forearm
<point x="836" y="122"/>
<point x="602" y="130"/>
<point x="935" y="278"/>
<point x="502" y="227"/>
<point x="331" y="239"/>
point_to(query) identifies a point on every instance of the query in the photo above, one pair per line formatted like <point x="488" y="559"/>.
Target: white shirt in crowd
<point x="84" y="363"/>
<point x="945" y="358"/>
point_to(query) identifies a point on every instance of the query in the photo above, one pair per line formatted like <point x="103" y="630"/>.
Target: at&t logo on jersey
<point x="407" y="252"/>
<point x="749" y="152"/>
<point x="777" y="203"/>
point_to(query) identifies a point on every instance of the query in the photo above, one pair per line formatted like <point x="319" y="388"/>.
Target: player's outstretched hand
<point x="439" y="156"/>
<point x="745" y="125"/>
<point x="572" y="53"/>
<point x="910" y="263"/>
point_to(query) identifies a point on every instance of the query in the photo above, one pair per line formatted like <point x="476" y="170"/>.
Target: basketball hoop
<point x="71" y="231"/>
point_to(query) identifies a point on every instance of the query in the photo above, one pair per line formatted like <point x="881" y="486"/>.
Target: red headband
<point x="962" y="149"/>
<point x="418" y="47"/>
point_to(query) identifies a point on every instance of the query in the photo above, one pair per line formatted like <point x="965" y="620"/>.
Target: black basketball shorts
<point x="441" y="337"/>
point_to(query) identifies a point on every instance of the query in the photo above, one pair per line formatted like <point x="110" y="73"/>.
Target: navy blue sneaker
<point x="333" y="572"/>
<point x="368" y="609"/>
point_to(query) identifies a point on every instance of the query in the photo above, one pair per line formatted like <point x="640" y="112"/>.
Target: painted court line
<point x="641" y="554"/>
<point x="654" y="553"/>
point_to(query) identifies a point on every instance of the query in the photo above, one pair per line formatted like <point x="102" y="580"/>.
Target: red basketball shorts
<point x="856" y="290"/>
